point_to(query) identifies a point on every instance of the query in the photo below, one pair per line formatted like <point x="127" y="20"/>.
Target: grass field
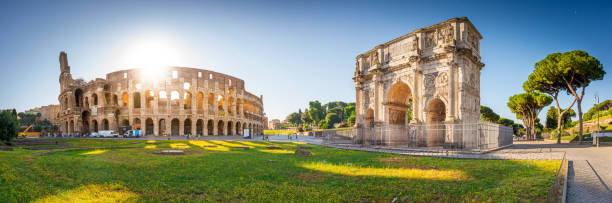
<point x="259" y="174"/>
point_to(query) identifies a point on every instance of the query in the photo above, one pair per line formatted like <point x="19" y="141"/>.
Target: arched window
<point x="174" y="95"/>
<point x="136" y="99"/>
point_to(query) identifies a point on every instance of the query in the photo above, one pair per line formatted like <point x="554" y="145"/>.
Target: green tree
<point x="305" y="117"/>
<point x="9" y="126"/>
<point x="331" y="119"/>
<point x="569" y="71"/>
<point x="527" y="106"/>
<point x="518" y="129"/>
<point x="551" y="118"/>
<point x="26" y="119"/>
<point x="293" y="118"/>
<point x="578" y="69"/>
<point x="487" y="114"/>
<point x="315" y="111"/>
<point x="348" y="111"/>
<point x="337" y="110"/>
<point x="351" y="119"/>
<point x="505" y="121"/>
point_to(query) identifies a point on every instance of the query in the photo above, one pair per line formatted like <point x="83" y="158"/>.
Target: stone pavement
<point x="590" y="168"/>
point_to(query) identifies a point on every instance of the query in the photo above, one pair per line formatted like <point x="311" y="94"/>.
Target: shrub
<point x="9" y="126"/>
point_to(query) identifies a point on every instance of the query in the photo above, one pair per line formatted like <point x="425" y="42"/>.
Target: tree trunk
<point x="559" y="129"/>
<point x="580" y="119"/>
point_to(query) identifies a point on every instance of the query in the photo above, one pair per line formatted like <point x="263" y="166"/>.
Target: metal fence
<point x="558" y="191"/>
<point x="481" y="135"/>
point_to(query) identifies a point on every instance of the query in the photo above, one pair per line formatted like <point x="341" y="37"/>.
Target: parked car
<point x="131" y="133"/>
<point x="108" y="133"/>
<point x="94" y="134"/>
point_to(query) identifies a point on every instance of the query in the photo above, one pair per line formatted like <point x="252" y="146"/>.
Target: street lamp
<point x="596" y="99"/>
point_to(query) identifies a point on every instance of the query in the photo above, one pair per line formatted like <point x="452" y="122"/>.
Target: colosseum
<point x="179" y="102"/>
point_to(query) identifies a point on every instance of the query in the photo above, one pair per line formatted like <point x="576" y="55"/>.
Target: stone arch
<point x="107" y="99"/>
<point x="125" y="99"/>
<point x="78" y="97"/>
<point x="94" y="98"/>
<point x="220" y="100"/>
<point x="136" y="100"/>
<point x="125" y="122"/>
<point x="211" y="100"/>
<point x="238" y="129"/>
<point x="220" y="127"/>
<point x="436" y="115"/>
<point x="105" y="124"/>
<point x="200" y="101"/>
<point x="187" y="127"/>
<point x="369" y="119"/>
<point x="230" y="103"/>
<point x="85" y="122"/>
<point x="94" y="124"/>
<point x="174" y="127"/>
<point x="117" y="114"/>
<point x="200" y="127"/>
<point x="229" y="128"/>
<point x="161" y="127"/>
<point x="187" y="100"/>
<point x="136" y="125"/>
<point x="115" y="100"/>
<point x="149" y="126"/>
<point x="149" y="97"/>
<point x="210" y="125"/>
<point x="71" y="128"/>
<point x="398" y="103"/>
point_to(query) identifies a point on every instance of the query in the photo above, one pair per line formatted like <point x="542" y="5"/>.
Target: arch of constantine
<point x="422" y="88"/>
<point x="177" y="102"/>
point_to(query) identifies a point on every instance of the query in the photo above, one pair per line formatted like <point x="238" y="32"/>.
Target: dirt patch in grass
<point x="310" y="177"/>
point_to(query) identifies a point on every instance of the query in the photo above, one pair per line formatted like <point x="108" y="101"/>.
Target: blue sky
<point x="289" y="51"/>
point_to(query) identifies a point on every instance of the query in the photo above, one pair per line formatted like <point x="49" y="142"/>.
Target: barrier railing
<point x="480" y="135"/>
<point x="558" y="192"/>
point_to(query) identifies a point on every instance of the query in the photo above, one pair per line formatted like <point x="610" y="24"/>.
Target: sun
<point x="152" y="54"/>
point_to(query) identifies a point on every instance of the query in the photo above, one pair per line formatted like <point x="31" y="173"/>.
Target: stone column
<point x="193" y="126"/>
<point x="143" y="125"/>
<point x="168" y="126"/>
<point x="181" y="127"/>
<point x="156" y="126"/>
<point x="451" y="92"/>
<point x="215" y="126"/>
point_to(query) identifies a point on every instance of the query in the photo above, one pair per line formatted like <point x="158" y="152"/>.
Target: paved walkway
<point x="590" y="168"/>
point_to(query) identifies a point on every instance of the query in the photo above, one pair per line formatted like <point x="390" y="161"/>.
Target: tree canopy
<point x="527" y="106"/>
<point x="568" y="71"/>
<point x="487" y="114"/>
<point x="9" y="126"/>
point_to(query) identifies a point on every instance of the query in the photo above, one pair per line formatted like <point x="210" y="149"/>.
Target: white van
<point x="108" y="133"/>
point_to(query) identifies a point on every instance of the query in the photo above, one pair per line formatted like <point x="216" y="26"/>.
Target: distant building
<point x="274" y="124"/>
<point x="265" y="122"/>
<point x="49" y="112"/>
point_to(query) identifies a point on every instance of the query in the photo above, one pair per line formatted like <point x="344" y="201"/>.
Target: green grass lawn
<point x="259" y="174"/>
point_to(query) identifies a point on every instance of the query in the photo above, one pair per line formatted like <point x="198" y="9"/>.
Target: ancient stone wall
<point x="173" y="101"/>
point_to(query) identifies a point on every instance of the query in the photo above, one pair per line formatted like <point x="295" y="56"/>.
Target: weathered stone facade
<point x="433" y="71"/>
<point x="49" y="112"/>
<point x="180" y="101"/>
